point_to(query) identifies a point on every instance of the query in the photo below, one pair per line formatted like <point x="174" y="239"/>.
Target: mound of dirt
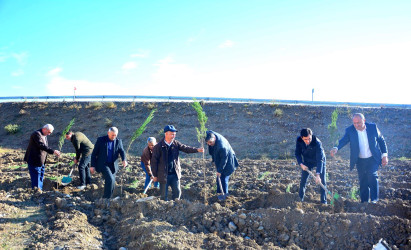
<point x="271" y="129"/>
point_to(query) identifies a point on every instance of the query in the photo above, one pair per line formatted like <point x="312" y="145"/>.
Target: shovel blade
<point x="222" y="197"/>
<point x="66" y="180"/>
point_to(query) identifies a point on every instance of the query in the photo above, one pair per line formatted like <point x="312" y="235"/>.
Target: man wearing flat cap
<point x="224" y="159"/>
<point x="165" y="164"/>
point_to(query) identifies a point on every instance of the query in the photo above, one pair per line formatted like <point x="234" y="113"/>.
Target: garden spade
<point x="221" y="197"/>
<point x="67" y="179"/>
<point x="334" y="197"/>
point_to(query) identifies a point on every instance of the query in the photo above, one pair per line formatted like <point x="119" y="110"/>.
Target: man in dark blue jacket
<point x="104" y="159"/>
<point x="310" y="153"/>
<point x="223" y="156"/>
<point x="367" y="151"/>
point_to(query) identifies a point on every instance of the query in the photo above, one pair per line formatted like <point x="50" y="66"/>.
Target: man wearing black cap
<point x="224" y="158"/>
<point x="165" y="164"/>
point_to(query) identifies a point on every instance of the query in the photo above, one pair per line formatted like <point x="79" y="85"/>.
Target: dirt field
<point x="262" y="212"/>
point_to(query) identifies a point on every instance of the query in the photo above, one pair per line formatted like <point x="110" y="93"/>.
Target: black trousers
<point x="109" y="175"/>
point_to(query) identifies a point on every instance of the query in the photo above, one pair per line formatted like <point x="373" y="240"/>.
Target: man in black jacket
<point x="104" y="159"/>
<point x="84" y="148"/>
<point x="310" y="153"/>
<point x="36" y="155"/>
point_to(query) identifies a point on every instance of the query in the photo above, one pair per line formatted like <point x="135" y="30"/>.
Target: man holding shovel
<point x="368" y="150"/>
<point x="224" y="159"/>
<point x="84" y="148"/>
<point x="145" y="162"/>
<point x="310" y="153"/>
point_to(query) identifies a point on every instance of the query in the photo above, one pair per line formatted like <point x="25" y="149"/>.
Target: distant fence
<point x="189" y="98"/>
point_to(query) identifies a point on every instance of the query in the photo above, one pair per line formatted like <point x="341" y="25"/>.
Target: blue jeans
<point x="156" y="184"/>
<point x="224" y="183"/>
<point x="174" y="182"/>
<point x="109" y="175"/>
<point x="368" y="177"/>
<point x="37" y="176"/>
<point x="303" y="183"/>
<point x="84" y="170"/>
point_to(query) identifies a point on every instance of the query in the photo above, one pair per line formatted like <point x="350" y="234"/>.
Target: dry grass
<point x="5" y="150"/>
<point x="23" y="112"/>
<point x="108" y="123"/>
<point x="94" y="105"/>
<point x="278" y="112"/>
<point x="110" y="105"/>
<point x="73" y="106"/>
<point x="12" y="128"/>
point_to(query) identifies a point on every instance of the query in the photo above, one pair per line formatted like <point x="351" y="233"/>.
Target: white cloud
<point x="3" y="57"/>
<point x="226" y="44"/>
<point x="129" y="66"/>
<point x="18" y="72"/>
<point x="54" y="71"/>
<point x="368" y="74"/>
<point x="21" y="58"/>
<point x="191" y="40"/>
<point x="195" y="37"/>
<point x="141" y="54"/>
<point x="58" y="85"/>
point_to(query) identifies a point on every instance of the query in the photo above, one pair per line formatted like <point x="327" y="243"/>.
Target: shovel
<point x="335" y="197"/>
<point x="145" y="190"/>
<point x="67" y="179"/>
<point x="221" y="197"/>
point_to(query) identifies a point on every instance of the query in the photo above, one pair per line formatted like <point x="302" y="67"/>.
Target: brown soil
<point x="270" y="134"/>
<point x="263" y="210"/>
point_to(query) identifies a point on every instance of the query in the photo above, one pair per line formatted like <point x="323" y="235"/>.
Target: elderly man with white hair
<point x="224" y="159"/>
<point x="36" y="155"/>
<point x="104" y="159"/>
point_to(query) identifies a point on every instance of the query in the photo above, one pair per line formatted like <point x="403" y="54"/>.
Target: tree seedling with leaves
<point x="141" y="129"/>
<point x="333" y="130"/>
<point x="201" y="134"/>
<point x="136" y="135"/>
<point x="61" y="143"/>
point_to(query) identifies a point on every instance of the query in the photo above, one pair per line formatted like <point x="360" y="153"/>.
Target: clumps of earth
<point x="263" y="210"/>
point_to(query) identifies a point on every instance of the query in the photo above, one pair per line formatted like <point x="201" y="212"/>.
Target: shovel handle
<point x="322" y="185"/>
<point x="219" y="183"/>
<point x="145" y="190"/>
<point x="71" y="171"/>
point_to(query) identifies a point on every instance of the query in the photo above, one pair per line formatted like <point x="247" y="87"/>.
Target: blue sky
<point x="349" y="51"/>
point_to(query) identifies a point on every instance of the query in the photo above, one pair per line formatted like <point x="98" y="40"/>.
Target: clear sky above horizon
<point x="348" y="51"/>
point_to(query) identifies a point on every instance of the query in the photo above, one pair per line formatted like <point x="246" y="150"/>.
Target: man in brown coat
<point x="36" y="155"/>
<point x="165" y="163"/>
